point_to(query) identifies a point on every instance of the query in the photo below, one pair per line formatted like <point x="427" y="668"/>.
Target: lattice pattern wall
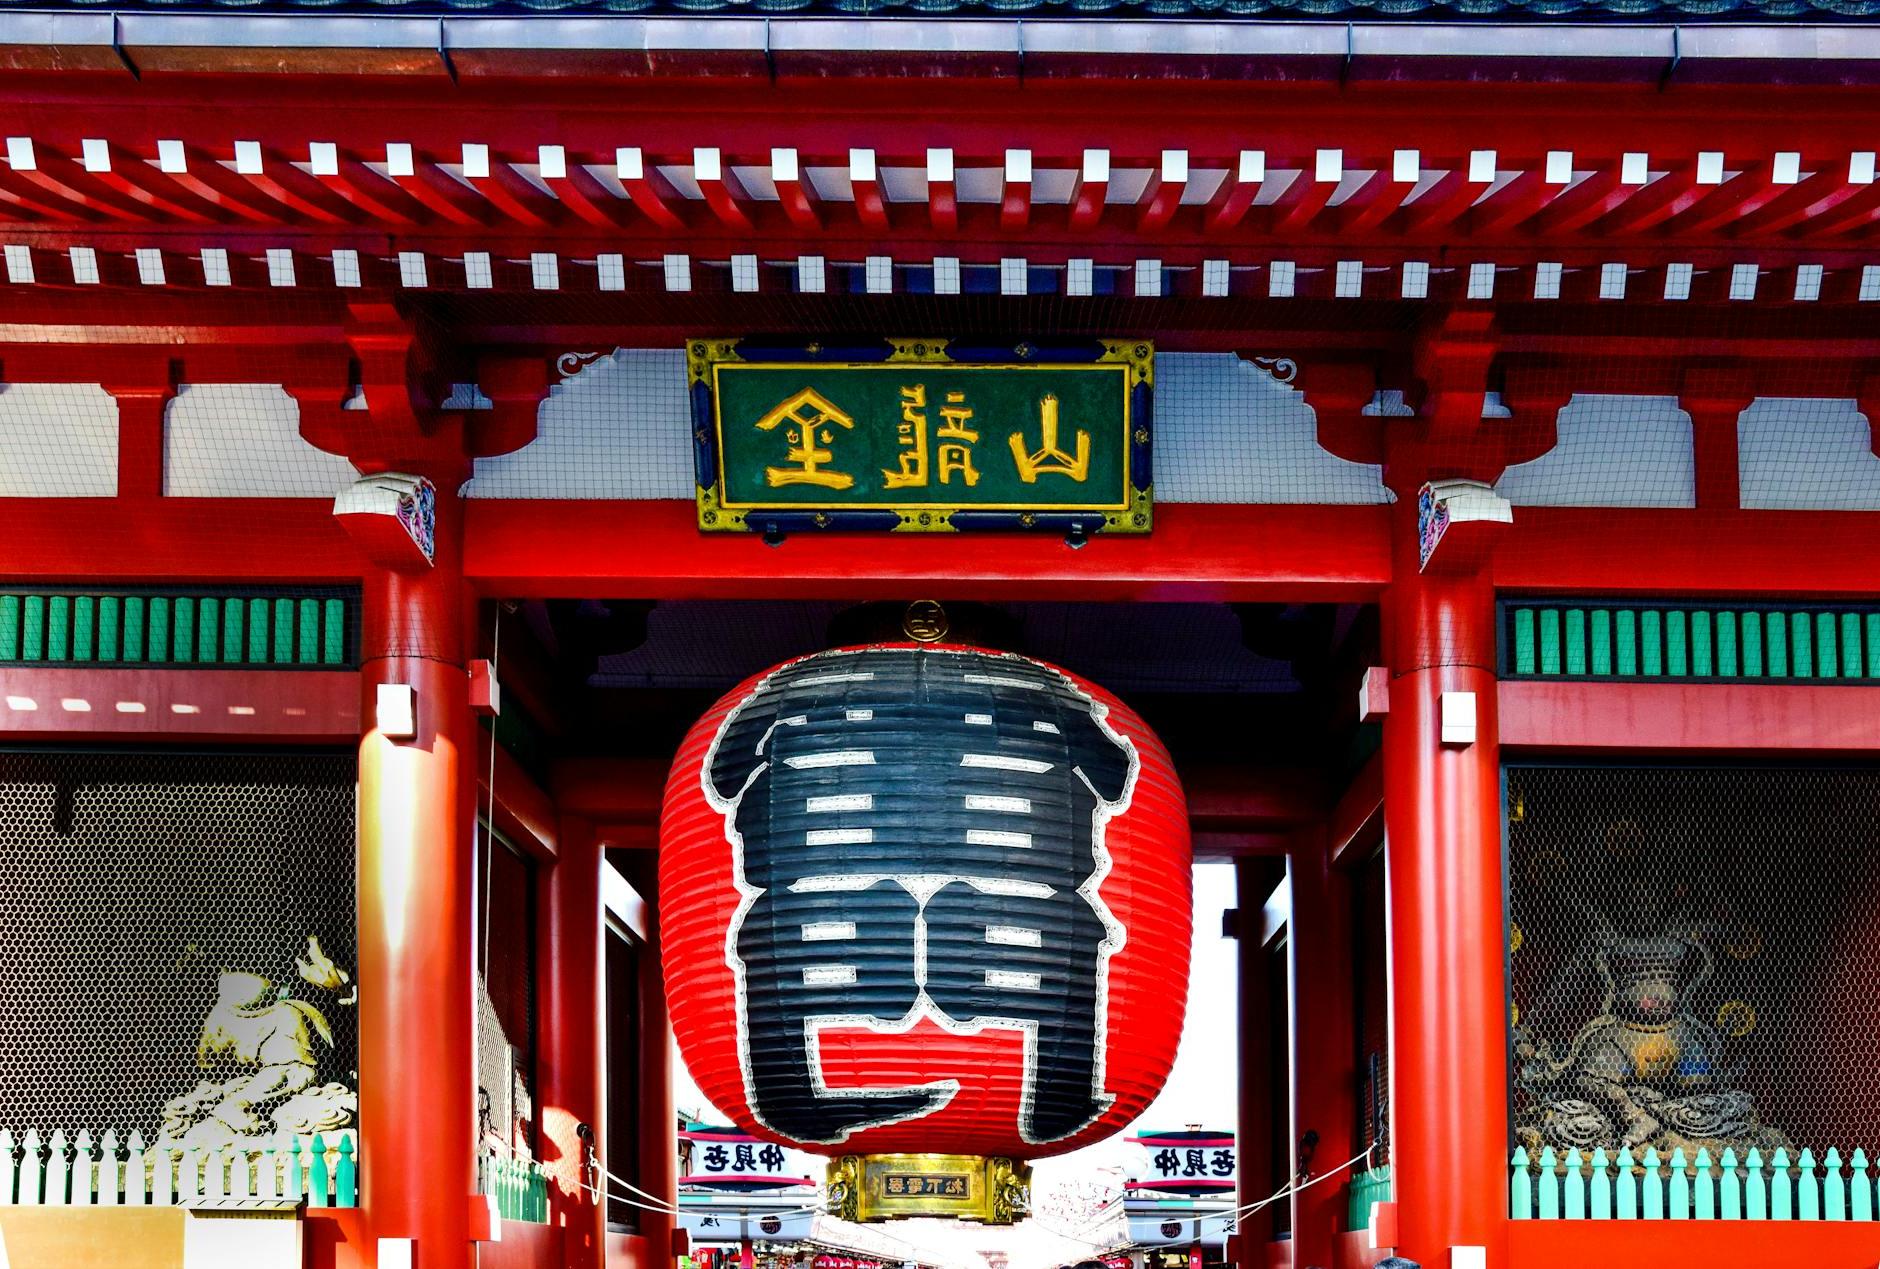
<point x="1693" y="952"/>
<point x="130" y="885"/>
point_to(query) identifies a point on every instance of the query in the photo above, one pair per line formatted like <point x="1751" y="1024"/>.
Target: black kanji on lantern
<point x="919" y="833"/>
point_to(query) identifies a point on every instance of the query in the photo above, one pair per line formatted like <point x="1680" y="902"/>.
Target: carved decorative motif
<point x="268" y="1047"/>
<point x="1283" y="369"/>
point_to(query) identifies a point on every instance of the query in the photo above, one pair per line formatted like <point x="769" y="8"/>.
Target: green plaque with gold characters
<point x="923" y="435"/>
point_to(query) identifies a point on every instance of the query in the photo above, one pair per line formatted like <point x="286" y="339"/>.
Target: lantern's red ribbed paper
<point x="923" y="898"/>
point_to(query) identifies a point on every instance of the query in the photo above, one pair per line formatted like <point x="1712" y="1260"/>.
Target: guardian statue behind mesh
<point x="1647" y="1071"/>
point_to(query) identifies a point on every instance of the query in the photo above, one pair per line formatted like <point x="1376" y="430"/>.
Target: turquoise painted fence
<point x="1755" y="1187"/>
<point x="80" y="1171"/>
<point x="304" y="629"/>
<point x="1366" y="1188"/>
<point x="519" y="1186"/>
<point x="1703" y="643"/>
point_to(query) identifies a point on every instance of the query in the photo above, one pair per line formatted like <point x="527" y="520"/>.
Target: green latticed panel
<point x="1690" y="642"/>
<point x="307" y="628"/>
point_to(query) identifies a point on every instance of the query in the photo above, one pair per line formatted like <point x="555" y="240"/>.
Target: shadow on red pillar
<point x="417" y="1109"/>
<point x="570" y="1062"/>
<point x="659" y="1133"/>
<point x="1324" y="1047"/>
<point x="1442" y="818"/>
<point x="1260" y="1085"/>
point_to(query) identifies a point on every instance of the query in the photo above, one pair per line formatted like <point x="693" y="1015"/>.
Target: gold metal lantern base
<point x="968" y="1187"/>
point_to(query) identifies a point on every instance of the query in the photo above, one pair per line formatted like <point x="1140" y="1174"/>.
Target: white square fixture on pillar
<point x="395" y="713"/>
<point x="1458" y="718"/>
<point x="1468" y="1258"/>
<point x="397" y="1253"/>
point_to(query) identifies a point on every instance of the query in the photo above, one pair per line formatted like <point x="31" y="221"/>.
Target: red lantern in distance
<point x="923" y="900"/>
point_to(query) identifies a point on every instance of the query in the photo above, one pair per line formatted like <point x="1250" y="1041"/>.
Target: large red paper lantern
<point x="923" y="898"/>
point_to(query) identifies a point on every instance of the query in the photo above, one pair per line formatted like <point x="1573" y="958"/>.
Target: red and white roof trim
<point x="1330" y="192"/>
<point x="1240" y="275"/>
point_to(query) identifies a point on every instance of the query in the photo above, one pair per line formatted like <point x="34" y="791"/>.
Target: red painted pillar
<point x="417" y="1107"/>
<point x="571" y="1007"/>
<point x="1442" y="820"/>
<point x="1324" y="1045"/>
<point x="1259" y="1170"/>
<point x="659" y="1129"/>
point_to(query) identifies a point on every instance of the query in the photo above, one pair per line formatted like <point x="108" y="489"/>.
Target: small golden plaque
<point x="881" y="1187"/>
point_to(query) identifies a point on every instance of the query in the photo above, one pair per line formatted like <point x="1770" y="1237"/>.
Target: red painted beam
<point x="1163" y="196"/>
<point x="374" y="195"/>
<point x="943" y="204"/>
<point x="523" y="810"/>
<point x="1381" y="196"/>
<point x="1357" y="820"/>
<point x="1692" y="718"/>
<point x="176" y="539"/>
<point x="1309" y="194"/>
<point x="654" y="550"/>
<point x="1713" y="1244"/>
<point x="1015" y="201"/>
<point x="1743" y="194"/>
<point x="794" y="193"/>
<point x="197" y="171"/>
<point x="723" y="192"/>
<point x="1092" y="191"/>
<point x="280" y="181"/>
<point x="652" y="193"/>
<point x="507" y="190"/>
<point x="576" y="188"/>
<point x="871" y="200"/>
<point x="134" y="180"/>
<point x="418" y="176"/>
<point x="193" y="705"/>
<point x="1452" y="195"/>
<point x="1701" y="552"/>
<point x="1238" y="189"/>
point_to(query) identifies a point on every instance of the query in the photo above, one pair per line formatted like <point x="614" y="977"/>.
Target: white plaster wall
<point x="1613" y="451"/>
<point x="57" y="440"/>
<point x="1227" y="431"/>
<point x="1807" y="453"/>
<point x="242" y="440"/>
<point x="620" y="427"/>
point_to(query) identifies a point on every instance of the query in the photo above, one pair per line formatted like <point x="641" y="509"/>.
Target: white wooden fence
<point x="82" y="1172"/>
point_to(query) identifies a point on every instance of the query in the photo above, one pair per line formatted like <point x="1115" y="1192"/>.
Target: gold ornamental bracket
<point x="884" y="1187"/>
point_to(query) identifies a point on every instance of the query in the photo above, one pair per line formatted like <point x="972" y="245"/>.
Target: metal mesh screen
<point x="139" y="892"/>
<point x="506" y="999"/>
<point x="1690" y="950"/>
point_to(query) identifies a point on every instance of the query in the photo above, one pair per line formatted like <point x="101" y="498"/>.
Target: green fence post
<point x="1731" y="1208"/>
<point x="346" y="1177"/>
<point x="319" y="1191"/>
<point x="290" y="1150"/>
<point x="1574" y="1206"/>
<point x="1652" y="1204"/>
<point x="1781" y="1192"/>
<point x="1680" y="1186"/>
<point x="1833" y="1187"/>
<point x="1625" y="1183"/>
<point x="1860" y="1197"/>
<point x="1703" y="1189"/>
<point x="1600" y="1209"/>
<point x="1548" y="1207"/>
<point x="1807" y="1187"/>
<point x="1755" y="1187"/>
